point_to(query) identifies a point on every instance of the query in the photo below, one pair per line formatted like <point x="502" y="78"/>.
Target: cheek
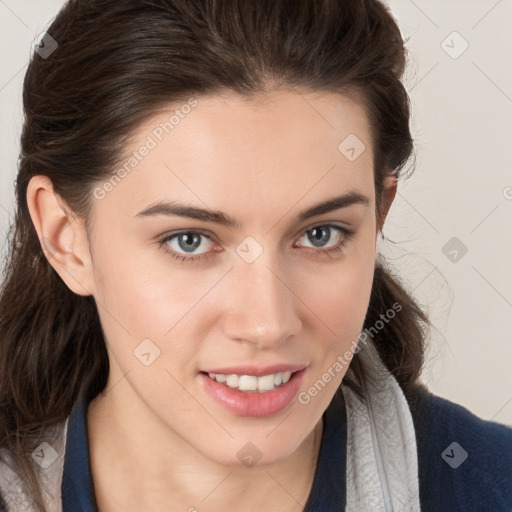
<point x="339" y="294"/>
<point x="343" y="288"/>
<point x="140" y="300"/>
<point x="142" y="287"/>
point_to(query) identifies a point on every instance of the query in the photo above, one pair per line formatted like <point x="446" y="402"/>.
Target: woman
<point x="194" y="315"/>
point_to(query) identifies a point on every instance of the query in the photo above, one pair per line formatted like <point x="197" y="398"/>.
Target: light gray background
<point x="461" y="187"/>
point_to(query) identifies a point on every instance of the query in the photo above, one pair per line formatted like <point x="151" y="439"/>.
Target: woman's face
<point x="283" y="287"/>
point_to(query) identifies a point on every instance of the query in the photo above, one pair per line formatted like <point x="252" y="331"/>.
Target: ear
<point x="63" y="237"/>
<point x="389" y="188"/>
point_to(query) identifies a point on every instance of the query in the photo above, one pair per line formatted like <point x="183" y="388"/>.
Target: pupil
<point x="190" y="242"/>
<point x="319" y="235"/>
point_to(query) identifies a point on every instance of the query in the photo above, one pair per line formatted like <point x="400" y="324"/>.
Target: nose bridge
<point x="262" y="310"/>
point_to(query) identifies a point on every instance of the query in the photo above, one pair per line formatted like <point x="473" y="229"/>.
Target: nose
<point x="261" y="307"/>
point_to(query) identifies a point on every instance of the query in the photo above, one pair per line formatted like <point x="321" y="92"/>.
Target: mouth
<point x="252" y="383"/>
<point x="245" y="391"/>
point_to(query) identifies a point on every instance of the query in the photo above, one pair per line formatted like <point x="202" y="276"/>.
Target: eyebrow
<point x="217" y="217"/>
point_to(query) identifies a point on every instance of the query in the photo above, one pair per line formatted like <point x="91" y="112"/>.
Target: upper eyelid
<point x="208" y="234"/>
<point x="333" y="224"/>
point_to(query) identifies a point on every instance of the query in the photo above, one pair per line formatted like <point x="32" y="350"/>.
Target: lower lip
<point x="253" y="403"/>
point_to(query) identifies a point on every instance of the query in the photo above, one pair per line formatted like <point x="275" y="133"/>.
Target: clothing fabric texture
<point x="388" y="453"/>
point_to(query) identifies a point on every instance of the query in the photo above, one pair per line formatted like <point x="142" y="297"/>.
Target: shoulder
<point x="48" y="459"/>
<point x="464" y="462"/>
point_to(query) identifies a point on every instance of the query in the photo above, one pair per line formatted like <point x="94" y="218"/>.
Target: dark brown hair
<point x="117" y="63"/>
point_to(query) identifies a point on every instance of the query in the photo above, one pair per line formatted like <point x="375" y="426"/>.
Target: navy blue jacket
<point x="465" y="463"/>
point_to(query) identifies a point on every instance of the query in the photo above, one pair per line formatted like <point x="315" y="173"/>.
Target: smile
<point x="260" y="384"/>
<point x="244" y="394"/>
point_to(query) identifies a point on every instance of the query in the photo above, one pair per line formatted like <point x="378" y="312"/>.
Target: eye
<point x="182" y="245"/>
<point x="186" y="241"/>
<point x="320" y="236"/>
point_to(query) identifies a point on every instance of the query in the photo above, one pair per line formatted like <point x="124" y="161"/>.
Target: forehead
<point x="280" y="148"/>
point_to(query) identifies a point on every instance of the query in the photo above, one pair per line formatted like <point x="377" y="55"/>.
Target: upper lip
<point x="257" y="371"/>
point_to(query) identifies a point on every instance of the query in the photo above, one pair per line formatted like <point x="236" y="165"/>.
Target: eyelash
<point x="332" y="251"/>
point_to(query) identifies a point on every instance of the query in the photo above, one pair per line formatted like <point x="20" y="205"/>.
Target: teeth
<point x="251" y="382"/>
<point x="248" y="383"/>
<point x="266" y="383"/>
<point x="232" y="381"/>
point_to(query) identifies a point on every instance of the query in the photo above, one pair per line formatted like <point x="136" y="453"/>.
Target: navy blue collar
<point x="329" y="486"/>
<point x="327" y="494"/>
<point x="77" y="487"/>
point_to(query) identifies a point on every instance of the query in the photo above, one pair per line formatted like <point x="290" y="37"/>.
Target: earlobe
<point x="61" y="236"/>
